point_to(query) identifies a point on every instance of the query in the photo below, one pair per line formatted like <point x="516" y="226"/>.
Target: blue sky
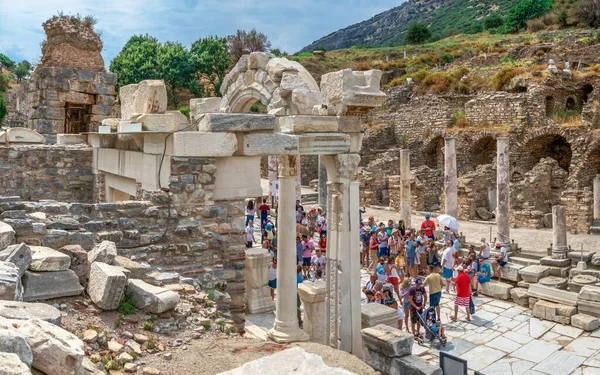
<point x="290" y="25"/>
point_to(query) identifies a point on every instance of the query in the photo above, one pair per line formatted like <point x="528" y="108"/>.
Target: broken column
<point x="312" y="295"/>
<point x="559" y="232"/>
<point x="272" y="168"/>
<point x="258" y="294"/>
<point x="502" y="191"/>
<point x="450" y="175"/>
<point x="405" y="178"/>
<point x="286" y="327"/>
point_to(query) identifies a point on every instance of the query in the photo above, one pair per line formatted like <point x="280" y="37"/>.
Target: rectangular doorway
<point x="77" y="118"/>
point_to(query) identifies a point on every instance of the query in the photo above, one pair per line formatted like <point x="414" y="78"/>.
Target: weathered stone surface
<point x="19" y="255"/>
<point x="271" y="144"/>
<point x="47" y="285"/>
<point x="200" y="106"/>
<point x="388" y="340"/>
<point x="552" y="294"/>
<point x="554" y="312"/>
<point x="232" y="122"/>
<point x="151" y="298"/>
<point x="14" y="342"/>
<point x="496" y="289"/>
<point x="409" y="364"/>
<point x="10" y="282"/>
<point x="55" y="351"/>
<point x="532" y="274"/>
<point x="166" y="122"/>
<point x="149" y="96"/>
<point x="79" y="262"/>
<point x="511" y="272"/>
<point x="10" y="364"/>
<point x="106" y="286"/>
<point x="585" y="322"/>
<point x="308" y="124"/>
<point x="374" y="314"/>
<point x="44" y="259"/>
<point x="519" y="296"/>
<point x="554" y="282"/>
<point x="589" y="293"/>
<point x="89" y="368"/>
<point x="29" y="310"/>
<point x="289" y="361"/>
<point x="63" y="222"/>
<point x="136" y="270"/>
<point x="104" y="252"/>
<point x="589" y="307"/>
<point x="352" y="92"/>
<point x="22" y="135"/>
<point x="549" y="261"/>
<point x="196" y="144"/>
<point x="7" y="235"/>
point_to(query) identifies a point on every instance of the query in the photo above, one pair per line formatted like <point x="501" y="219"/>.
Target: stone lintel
<point x="324" y="144"/>
<point x="349" y="124"/>
<point x="270" y="144"/>
<point x="308" y="124"/>
<point x="197" y="144"/>
<point x="236" y="122"/>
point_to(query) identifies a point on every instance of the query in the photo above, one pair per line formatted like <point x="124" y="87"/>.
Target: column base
<point x="560" y="252"/>
<point x="285" y="335"/>
<point x="260" y="305"/>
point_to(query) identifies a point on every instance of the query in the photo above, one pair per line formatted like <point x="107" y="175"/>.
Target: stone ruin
<point x="70" y="91"/>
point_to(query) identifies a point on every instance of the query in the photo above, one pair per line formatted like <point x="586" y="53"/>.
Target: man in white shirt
<point x="447" y="263"/>
<point x="500" y="260"/>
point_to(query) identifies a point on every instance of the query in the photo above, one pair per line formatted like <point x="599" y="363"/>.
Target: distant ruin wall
<point x="36" y="172"/>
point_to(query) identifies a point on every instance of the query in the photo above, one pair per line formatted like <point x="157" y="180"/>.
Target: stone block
<point x="47" y="285"/>
<point x="349" y="124"/>
<point x="236" y="122"/>
<point x="324" y="143"/>
<point x="589" y="293"/>
<point x="14" y="342"/>
<point x="560" y="271"/>
<point x="135" y="269"/>
<point x="387" y="340"/>
<point x="10" y="282"/>
<point x="30" y="310"/>
<point x="308" y="124"/>
<point x="196" y="144"/>
<point x="348" y="92"/>
<point x="585" y="322"/>
<point x="45" y="259"/>
<point x="19" y="255"/>
<point x="7" y="235"/>
<point x="589" y="307"/>
<point x="106" y="286"/>
<point x="552" y="294"/>
<point x="577" y="256"/>
<point x="270" y="144"/>
<point x="151" y="298"/>
<point x="554" y="312"/>
<point x="520" y="296"/>
<point x="549" y="261"/>
<point x="11" y="364"/>
<point x="55" y="238"/>
<point x="374" y="314"/>
<point x="496" y="289"/>
<point x="104" y="252"/>
<point x="165" y="122"/>
<point x="55" y="350"/>
<point x="532" y="274"/>
<point x="511" y="272"/>
<point x="200" y="106"/>
<point x="554" y="282"/>
<point x="407" y="365"/>
<point x="149" y="96"/>
<point x="71" y="139"/>
<point x="22" y="135"/>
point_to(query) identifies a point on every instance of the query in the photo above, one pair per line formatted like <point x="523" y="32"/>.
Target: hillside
<point x="444" y="17"/>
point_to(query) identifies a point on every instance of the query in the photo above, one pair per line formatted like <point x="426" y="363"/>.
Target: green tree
<point x="22" y="70"/>
<point x="418" y="33"/>
<point x="176" y="66"/>
<point x="524" y="11"/>
<point x="212" y="61"/>
<point x="4" y="80"/>
<point x="279" y="53"/>
<point x="492" y="21"/>
<point x="3" y="109"/>
<point x="137" y="60"/>
<point x="243" y="42"/>
<point x="6" y="61"/>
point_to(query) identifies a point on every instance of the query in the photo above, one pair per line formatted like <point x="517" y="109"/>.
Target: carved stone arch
<point x="277" y="82"/>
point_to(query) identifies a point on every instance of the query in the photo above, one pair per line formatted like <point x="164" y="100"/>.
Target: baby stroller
<point x="433" y="338"/>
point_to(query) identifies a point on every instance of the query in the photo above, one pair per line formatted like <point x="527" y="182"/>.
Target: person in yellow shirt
<point x="434" y="280"/>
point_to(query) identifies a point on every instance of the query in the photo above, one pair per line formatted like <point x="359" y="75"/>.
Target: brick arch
<point x="591" y="165"/>
<point x="542" y="143"/>
<point x="276" y="82"/>
<point x="483" y="148"/>
<point x="432" y="152"/>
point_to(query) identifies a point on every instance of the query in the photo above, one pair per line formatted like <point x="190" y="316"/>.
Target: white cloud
<point x="289" y="24"/>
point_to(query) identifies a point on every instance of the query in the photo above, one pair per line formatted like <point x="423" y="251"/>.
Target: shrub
<point x="126" y="306"/>
<point x="458" y="118"/>
<point x="540" y="53"/>
<point x="148" y="326"/>
<point x="563" y="19"/>
<point x="504" y="75"/>
<point x="3" y="109"/>
<point x="563" y="116"/>
<point x="446" y="58"/>
<point x="436" y="83"/>
<point x="492" y="21"/>
<point x="588" y="11"/>
<point x="418" y="33"/>
<point x="524" y="11"/>
<point x="535" y="25"/>
<point x="186" y="111"/>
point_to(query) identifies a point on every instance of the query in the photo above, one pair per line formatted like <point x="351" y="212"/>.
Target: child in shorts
<point x="404" y="298"/>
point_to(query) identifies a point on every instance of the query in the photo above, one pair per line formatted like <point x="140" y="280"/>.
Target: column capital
<point x="287" y="165"/>
<point x="342" y="167"/>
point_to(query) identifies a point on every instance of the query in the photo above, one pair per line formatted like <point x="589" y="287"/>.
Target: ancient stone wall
<point x="474" y="193"/>
<point x="496" y="108"/>
<point x="16" y="106"/>
<point x="374" y="178"/>
<point x="309" y="168"/>
<point x="36" y="172"/>
<point x="426" y="188"/>
<point x="580" y="209"/>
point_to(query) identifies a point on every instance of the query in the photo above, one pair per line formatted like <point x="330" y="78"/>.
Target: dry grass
<point x="504" y="75"/>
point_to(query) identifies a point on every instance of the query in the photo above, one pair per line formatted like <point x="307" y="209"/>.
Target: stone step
<point x="533" y="273"/>
<point x="496" y="289"/>
<point x="547" y="293"/>
<point x="524" y="261"/>
<point x="576" y="256"/>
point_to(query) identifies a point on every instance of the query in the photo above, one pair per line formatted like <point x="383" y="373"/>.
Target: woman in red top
<point x="463" y="293"/>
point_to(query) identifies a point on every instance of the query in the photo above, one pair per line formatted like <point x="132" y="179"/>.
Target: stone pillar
<point x="298" y="179"/>
<point x="450" y="183"/>
<point x="322" y="184"/>
<point x="502" y="191"/>
<point x="597" y="197"/>
<point x="286" y="327"/>
<point x="258" y="293"/>
<point x="405" y="179"/>
<point x="313" y="298"/>
<point x="343" y="266"/>
<point x="559" y="232"/>
<point x="272" y="169"/>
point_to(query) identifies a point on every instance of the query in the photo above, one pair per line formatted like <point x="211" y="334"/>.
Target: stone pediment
<point x="21" y="135"/>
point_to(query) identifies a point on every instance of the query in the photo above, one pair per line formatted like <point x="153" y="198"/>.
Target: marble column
<point x="502" y="191"/>
<point x="322" y="184"/>
<point x="559" y="232"/>
<point x="405" y="179"/>
<point x="272" y="172"/>
<point x="312" y="295"/>
<point x="597" y="197"/>
<point x="286" y="327"/>
<point x="258" y="292"/>
<point x="343" y="266"/>
<point x="450" y="177"/>
<point x="298" y="179"/>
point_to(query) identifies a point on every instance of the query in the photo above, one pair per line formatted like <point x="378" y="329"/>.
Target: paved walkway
<point x="530" y="240"/>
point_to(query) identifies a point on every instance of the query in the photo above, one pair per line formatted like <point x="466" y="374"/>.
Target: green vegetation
<point x="211" y="294"/>
<point x="492" y="21"/>
<point x="418" y="33"/>
<point x="563" y="116"/>
<point x="176" y="67"/>
<point x="126" y="306"/>
<point x="524" y="11"/>
<point x="137" y="60"/>
<point x="458" y="118"/>
<point x="185" y="111"/>
<point x="148" y="326"/>
<point x="6" y="61"/>
<point x="151" y="343"/>
<point x="212" y="62"/>
<point x="504" y="75"/>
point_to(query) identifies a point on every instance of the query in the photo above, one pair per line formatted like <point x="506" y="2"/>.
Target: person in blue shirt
<point x="455" y="243"/>
<point x="299" y="280"/>
<point x="364" y="255"/>
<point x="483" y="276"/>
<point x="411" y="248"/>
